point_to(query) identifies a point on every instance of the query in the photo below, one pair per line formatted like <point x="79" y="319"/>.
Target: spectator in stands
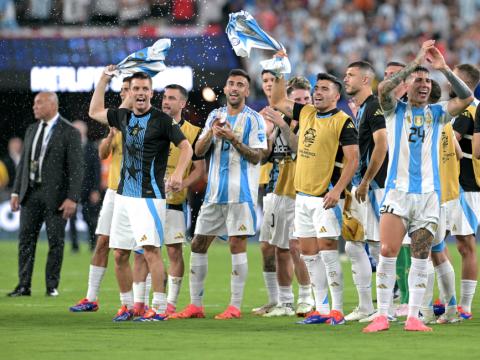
<point x="12" y="159"/>
<point x="8" y="15"/>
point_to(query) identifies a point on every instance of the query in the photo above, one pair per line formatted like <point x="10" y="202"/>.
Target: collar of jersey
<point x="321" y="115"/>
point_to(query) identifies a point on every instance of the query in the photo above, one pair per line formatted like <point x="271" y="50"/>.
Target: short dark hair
<point x="265" y="71"/>
<point x="471" y="72"/>
<point x="180" y="88"/>
<point x="331" y="78"/>
<point x="127" y="79"/>
<point x="395" y="63"/>
<point x="141" y="76"/>
<point x="420" y="68"/>
<point x="363" y="65"/>
<point x="435" y="93"/>
<point x="298" y="82"/>
<point x="239" y="72"/>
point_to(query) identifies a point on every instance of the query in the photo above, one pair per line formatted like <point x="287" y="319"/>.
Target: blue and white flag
<point x="149" y="60"/>
<point x="245" y="34"/>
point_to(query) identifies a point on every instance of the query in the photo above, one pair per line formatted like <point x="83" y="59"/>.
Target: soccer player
<point x="112" y="144"/>
<point x="369" y="180"/>
<point x="323" y="132"/>
<point x="279" y="207"/>
<point x="174" y="101"/>
<point x="237" y="135"/>
<point x="464" y="211"/>
<point x="412" y="197"/>
<point x="139" y="211"/>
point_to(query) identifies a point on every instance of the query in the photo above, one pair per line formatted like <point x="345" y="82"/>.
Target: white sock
<point x="174" y="286"/>
<point x="238" y="278"/>
<point x="318" y="278"/>
<point x="127" y="299"/>
<point x="159" y="302"/>
<point x="198" y="273"/>
<point x="446" y="284"/>
<point x="305" y="294"/>
<point x="148" y="287"/>
<point x="417" y="284"/>
<point x="467" y="291"/>
<point x="334" y="277"/>
<point x="139" y="292"/>
<point x="427" y="301"/>
<point x="286" y="294"/>
<point x="374" y="249"/>
<point x="386" y="275"/>
<point x="362" y="274"/>
<point x="271" y="283"/>
<point x="95" y="277"/>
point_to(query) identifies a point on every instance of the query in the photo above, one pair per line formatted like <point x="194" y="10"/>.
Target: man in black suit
<point x="47" y="186"/>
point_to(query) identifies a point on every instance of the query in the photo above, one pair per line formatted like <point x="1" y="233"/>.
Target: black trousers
<point x="33" y="214"/>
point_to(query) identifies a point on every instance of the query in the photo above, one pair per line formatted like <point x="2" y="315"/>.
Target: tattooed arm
<point x="387" y="86"/>
<point x="252" y="155"/>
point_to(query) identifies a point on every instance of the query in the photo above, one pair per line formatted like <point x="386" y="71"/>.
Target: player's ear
<point x="247" y="92"/>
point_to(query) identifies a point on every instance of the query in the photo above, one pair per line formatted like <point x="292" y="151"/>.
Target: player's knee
<point x="465" y="247"/>
<point x="199" y="244"/>
<point x="353" y="248"/>
<point x="175" y="253"/>
<point x="102" y="246"/>
<point x="294" y="250"/>
<point x="121" y="256"/>
<point x="267" y="249"/>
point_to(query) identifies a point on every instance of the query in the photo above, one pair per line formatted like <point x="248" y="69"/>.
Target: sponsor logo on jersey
<point x="242" y="228"/>
<point x="143" y="238"/>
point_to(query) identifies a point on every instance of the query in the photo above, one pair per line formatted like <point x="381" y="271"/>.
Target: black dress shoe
<point x="20" y="291"/>
<point x="52" y="292"/>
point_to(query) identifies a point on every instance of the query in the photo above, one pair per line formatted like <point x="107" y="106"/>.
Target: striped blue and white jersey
<point x="231" y="178"/>
<point x="414" y="136"/>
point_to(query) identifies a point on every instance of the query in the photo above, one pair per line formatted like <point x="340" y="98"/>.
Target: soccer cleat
<point x="281" y="310"/>
<point x="380" y="323"/>
<point x="84" y="306"/>
<point x="315" y="318"/>
<point x="231" y="312"/>
<point x="190" y="312"/>
<point x="336" y="318"/>
<point x="124" y="314"/>
<point x="264" y="309"/>
<point x="414" y="324"/>
<point x="438" y="307"/>
<point x="402" y="310"/>
<point x="463" y="314"/>
<point x="357" y="315"/>
<point x="447" y="318"/>
<point x="139" y="309"/>
<point x="151" y="315"/>
<point x="170" y="309"/>
<point x="303" y="309"/>
<point x="374" y="315"/>
<point x="429" y="319"/>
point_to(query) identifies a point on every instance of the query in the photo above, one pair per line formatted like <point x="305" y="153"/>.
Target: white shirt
<point x="231" y="178"/>
<point x="46" y="138"/>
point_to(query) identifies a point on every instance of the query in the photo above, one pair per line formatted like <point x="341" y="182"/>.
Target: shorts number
<point x="273" y="221"/>
<point x="416" y="134"/>
<point x="386" y="209"/>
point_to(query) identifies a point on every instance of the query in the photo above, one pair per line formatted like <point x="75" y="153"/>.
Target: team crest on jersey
<point x="418" y="120"/>
<point x="309" y="137"/>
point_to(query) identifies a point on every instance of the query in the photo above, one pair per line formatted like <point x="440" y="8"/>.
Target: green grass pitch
<point x="38" y="327"/>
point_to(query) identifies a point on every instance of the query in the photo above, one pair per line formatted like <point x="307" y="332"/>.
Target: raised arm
<point x="271" y="115"/>
<point x="279" y="98"/>
<point x="97" y="109"/>
<point x="386" y="87"/>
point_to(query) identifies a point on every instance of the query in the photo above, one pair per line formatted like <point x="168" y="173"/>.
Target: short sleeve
<point x="114" y="117"/>
<point x="208" y="124"/>
<point x="297" y="109"/>
<point x="462" y="123"/>
<point x="376" y="118"/>
<point x="349" y="134"/>
<point x="257" y="138"/>
<point x="477" y="120"/>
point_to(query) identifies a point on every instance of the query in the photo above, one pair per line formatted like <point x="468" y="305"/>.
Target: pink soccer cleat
<point x="230" y="313"/>
<point x="415" y="324"/>
<point x="380" y="323"/>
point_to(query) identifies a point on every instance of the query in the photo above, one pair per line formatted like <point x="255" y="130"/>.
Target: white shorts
<point x="372" y="228"/>
<point x="359" y="211"/>
<point x="175" y="227"/>
<point x="235" y="219"/>
<point x="464" y="213"/>
<point x="137" y="222"/>
<point x="105" y="218"/>
<point x="277" y="227"/>
<point x="312" y="220"/>
<point x="441" y="229"/>
<point x="449" y="210"/>
<point x="416" y="210"/>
